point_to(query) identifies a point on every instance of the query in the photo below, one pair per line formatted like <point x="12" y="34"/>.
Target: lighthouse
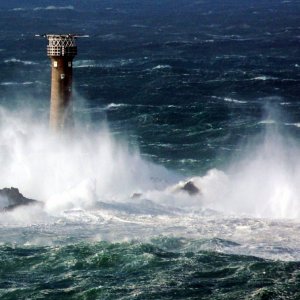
<point x="61" y="50"/>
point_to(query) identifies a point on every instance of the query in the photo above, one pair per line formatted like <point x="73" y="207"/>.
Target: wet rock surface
<point x="190" y="188"/>
<point x="14" y="199"/>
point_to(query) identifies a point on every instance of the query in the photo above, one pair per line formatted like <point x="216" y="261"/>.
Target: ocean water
<point x="165" y="92"/>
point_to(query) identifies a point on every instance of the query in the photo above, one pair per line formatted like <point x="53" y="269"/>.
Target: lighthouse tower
<point x="61" y="49"/>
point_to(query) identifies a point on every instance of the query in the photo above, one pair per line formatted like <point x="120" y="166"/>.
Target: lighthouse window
<point x="70" y="64"/>
<point x="62" y="76"/>
<point x="55" y="64"/>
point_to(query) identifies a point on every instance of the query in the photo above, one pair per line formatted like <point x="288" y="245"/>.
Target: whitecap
<point x="267" y="121"/>
<point x="115" y="105"/>
<point x="159" y="67"/>
<point x="52" y="7"/>
<point x="264" y="78"/>
<point x="101" y="109"/>
<point x="111" y="37"/>
<point x="188" y="160"/>
<point x="139" y="26"/>
<point x="19" y="9"/>
<point x="235" y="101"/>
<point x="89" y="63"/>
<point x="84" y="63"/>
<point x="7" y="83"/>
<point x="293" y="124"/>
<point x="19" y="61"/>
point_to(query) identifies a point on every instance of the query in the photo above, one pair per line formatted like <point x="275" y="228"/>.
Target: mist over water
<point x="263" y="181"/>
<point x="71" y="169"/>
<point x="267" y="181"/>
<point x="79" y="169"/>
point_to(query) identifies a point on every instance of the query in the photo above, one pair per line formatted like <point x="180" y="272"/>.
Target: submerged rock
<point x="190" y="188"/>
<point x="15" y="199"/>
<point x="136" y="196"/>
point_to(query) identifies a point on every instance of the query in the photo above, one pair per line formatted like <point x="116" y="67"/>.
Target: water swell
<point x="136" y="270"/>
<point x="262" y="182"/>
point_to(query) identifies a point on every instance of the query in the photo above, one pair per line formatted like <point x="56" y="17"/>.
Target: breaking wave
<point x="71" y="171"/>
<point x="85" y="168"/>
<point x="53" y="7"/>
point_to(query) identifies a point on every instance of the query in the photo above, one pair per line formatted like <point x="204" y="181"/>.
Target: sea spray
<point x="266" y="183"/>
<point x="156" y="246"/>
<point x="79" y="170"/>
<point x="72" y="171"/>
<point x="262" y="182"/>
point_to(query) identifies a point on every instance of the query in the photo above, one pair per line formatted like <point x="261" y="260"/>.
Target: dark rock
<point x="136" y="196"/>
<point x="190" y="188"/>
<point x="15" y="199"/>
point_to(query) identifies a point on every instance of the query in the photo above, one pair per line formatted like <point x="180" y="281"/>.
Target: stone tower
<point x="61" y="49"/>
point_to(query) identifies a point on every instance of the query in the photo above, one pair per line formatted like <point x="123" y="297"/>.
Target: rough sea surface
<point x="165" y="92"/>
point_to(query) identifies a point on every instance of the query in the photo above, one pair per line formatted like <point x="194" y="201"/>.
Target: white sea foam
<point x="8" y="83"/>
<point x="115" y="105"/>
<point x="227" y="99"/>
<point x="264" y="78"/>
<point x="139" y="26"/>
<point x="19" y="61"/>
<point x="293" y="124"/>
<point x="267" y="121"/>
<point x="159" y="67"/>
<point x="86" y="63"/>
<point x="53" y="7"/>
<point x="111" y="37"/>
<point x="49" y="7"/>
<point x="18" y="9"/>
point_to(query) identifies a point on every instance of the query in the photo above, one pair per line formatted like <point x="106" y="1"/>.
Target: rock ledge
<point x="15" y="199"/>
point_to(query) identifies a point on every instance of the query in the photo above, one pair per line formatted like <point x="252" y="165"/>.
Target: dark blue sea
<point x="167" y="93"/>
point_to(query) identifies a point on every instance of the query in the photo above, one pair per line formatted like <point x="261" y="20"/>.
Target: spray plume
<point x="70" y="171"/>
<point x="78" y="171"/>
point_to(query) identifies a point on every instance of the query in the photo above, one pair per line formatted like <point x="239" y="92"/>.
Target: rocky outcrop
<point x="190" y="188"/>
<point x="13" y="199"/>
<point x="136" y="196"/>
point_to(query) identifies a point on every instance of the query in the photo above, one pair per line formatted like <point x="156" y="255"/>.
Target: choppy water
<point x="165" y="92"/>
<point x="165" y="268"/>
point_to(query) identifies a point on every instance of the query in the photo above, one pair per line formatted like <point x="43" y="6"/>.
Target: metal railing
<point x="61" y="45"/>
<point x="61" y="51"/>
